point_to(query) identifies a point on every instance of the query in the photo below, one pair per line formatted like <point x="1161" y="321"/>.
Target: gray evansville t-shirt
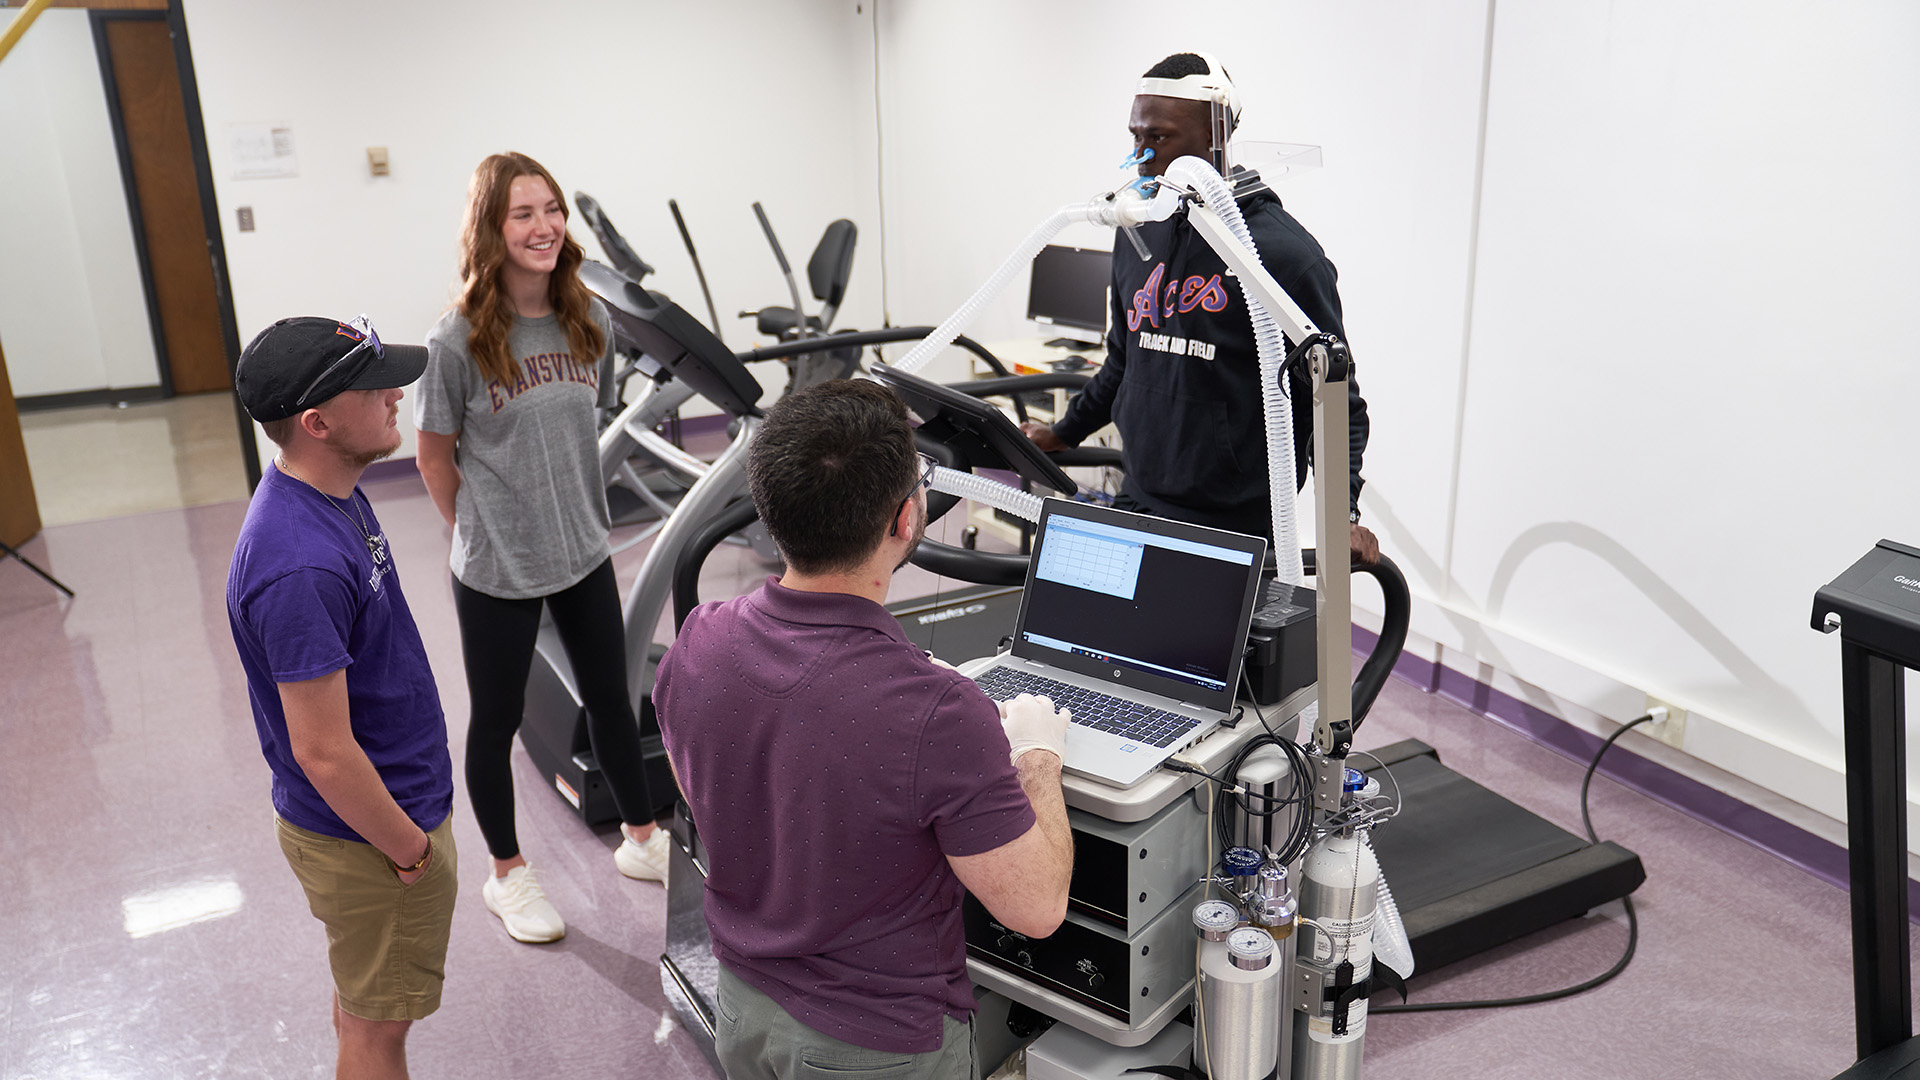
<point x="531" y="516"/>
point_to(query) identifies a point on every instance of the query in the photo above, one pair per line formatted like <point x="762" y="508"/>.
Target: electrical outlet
<point x="1672" y="730"/>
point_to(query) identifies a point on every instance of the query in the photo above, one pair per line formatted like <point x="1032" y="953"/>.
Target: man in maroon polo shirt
<point x="849" y="789"/>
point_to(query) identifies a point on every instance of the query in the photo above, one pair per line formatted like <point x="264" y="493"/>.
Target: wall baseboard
<point x="390" y="469"/>
<point x="78" y="398"/>
<point x="1800" y="847"/>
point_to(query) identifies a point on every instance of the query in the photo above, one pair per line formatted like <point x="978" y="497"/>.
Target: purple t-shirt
<point x="306" y="598"/>
<point x="832" y="768"/>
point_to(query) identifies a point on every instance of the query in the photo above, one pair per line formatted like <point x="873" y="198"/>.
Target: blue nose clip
<point x="1138" y="157"/>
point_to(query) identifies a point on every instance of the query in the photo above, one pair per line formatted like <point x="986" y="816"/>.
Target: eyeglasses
<point x="368" y="339"/>
<point x="924" y="481"/>
<point x="921" y="483"/>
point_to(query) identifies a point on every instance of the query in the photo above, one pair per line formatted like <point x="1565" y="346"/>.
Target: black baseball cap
<point x="296" y="364"/>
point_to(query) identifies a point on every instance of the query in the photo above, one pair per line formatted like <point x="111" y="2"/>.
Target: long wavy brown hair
<point x="483" y="251"/>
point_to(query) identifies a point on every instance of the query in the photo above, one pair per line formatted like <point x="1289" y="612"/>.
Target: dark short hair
<point x="1179" y="66"/>
<point x="280" y="430"/>
<point x="828" y="470"/>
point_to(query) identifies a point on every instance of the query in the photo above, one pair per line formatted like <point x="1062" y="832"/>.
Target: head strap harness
<point x="1214" y="86"/>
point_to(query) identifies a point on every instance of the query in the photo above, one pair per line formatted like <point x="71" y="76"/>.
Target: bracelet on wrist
<point x="424" y="856"/>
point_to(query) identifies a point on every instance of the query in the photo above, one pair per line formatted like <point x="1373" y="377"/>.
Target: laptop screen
<point x="1155" y="604"/>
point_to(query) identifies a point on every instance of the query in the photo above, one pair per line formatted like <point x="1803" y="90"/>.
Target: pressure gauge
<point x="1213" y="920"/>
<point x="1250" y="948"/>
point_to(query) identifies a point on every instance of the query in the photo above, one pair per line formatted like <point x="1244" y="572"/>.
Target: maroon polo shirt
<point x="832" y="768"/>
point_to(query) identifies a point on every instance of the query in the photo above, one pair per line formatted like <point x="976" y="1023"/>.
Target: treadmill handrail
<point x="737" y="515"/>
<point x="887" y="336"/>
<point x="967" y="564"/>
<point x="1020" y="384"/>
<point x="1088" y="457"/>
<point x="1396" y="614"/>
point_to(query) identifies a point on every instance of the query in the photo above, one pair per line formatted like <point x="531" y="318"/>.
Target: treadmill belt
<point x="1483" y="835"/>
<point x="1471" y="870"/>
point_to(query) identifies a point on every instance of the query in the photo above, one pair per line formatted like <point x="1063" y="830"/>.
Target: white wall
<point x="716" y="105"/>
<point x="1685" y="408"/>
<point x="73" y="316"/>
<point x="1633" y="402"/>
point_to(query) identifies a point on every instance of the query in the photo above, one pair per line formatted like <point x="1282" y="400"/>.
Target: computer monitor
<point x="1069" y="291"/>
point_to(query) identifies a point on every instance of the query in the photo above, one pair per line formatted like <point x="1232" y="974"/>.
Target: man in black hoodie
<point x="1181" y="379"/>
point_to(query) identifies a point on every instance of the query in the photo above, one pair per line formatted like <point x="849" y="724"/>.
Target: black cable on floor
<point x="1633" y="920"/>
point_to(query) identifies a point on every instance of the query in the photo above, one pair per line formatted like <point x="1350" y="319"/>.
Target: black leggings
<point x="496" y="641"/>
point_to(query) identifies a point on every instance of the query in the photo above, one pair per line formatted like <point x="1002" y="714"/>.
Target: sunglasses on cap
<point x="369" y="342"/>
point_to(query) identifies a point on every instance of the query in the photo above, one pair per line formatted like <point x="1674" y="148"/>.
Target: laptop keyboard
<point x="1091" y="708"/>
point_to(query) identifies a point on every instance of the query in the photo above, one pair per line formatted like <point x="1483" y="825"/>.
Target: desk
<point x="1033" y="356"/>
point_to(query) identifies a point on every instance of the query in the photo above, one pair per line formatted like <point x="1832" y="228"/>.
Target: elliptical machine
<point x="645" y="325"/>
<point x="679" y="358"/>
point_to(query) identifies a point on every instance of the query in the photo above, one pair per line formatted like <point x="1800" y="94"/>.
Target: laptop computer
<point x="1136" y="624"/>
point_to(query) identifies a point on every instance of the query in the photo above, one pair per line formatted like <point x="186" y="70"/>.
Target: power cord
<point x="1633" y="920"/>
<point x="880" y="172"/>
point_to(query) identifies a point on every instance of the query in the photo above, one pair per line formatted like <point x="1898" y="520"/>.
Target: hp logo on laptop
<point x="1117" y="673"/>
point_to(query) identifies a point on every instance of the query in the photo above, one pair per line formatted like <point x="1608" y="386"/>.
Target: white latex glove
<point x="1032" y="723"/>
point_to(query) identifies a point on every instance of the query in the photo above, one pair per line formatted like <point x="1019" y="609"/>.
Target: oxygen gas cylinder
<point x="1339" y="889"/>
<point x="1237" y="1036"/>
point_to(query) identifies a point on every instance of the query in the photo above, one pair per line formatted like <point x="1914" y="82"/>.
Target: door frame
<point x="136" y="213"/>
<point x="209" y="205"/>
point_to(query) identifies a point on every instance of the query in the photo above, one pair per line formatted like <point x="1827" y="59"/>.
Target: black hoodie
<point x="1182" y="374"/>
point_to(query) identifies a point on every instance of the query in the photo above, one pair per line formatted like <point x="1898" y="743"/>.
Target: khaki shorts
<point x="387" y="942"/>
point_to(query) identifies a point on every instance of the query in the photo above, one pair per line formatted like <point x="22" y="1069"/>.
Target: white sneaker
<point x="645" y="860"/>
<point x="518" y="900"/>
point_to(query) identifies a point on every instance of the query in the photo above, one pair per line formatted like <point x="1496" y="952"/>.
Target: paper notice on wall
<point x="261" y="151"/>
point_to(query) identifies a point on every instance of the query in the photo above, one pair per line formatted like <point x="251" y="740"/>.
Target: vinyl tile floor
<point x="106" y="461"/>
<point x="154" y="931"/>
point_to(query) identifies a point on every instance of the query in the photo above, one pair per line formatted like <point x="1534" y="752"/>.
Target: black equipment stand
<point x="1875" y="605"/>
<point x="28" y="563"/>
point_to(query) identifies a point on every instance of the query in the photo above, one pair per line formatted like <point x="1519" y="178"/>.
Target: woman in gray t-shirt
<point x="507" y="448"/>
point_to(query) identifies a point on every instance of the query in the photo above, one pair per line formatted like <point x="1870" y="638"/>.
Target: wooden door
<point x="19" y="510"/>
<point x="163" y="184"/>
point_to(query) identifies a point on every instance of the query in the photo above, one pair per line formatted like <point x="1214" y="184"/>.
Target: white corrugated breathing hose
<point x="980" y="489"/>
<point x="1390" y="944"/>
<point x="944" y="334"/>
<point x="1282" y="485"/>
<point x="1123" y="207"/>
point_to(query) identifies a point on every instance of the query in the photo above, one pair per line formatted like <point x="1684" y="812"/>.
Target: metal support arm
<point x="1326" y="364"/>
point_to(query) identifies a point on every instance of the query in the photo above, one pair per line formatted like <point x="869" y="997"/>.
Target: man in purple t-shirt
<point x="850" y="789"/>
<point x="343" y="699"/>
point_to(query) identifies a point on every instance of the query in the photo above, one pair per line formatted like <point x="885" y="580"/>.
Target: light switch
<point x="245" y="214"/>
<point x="377" y="160"/>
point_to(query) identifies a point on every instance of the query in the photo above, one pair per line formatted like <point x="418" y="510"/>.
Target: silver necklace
<point x="374" y="547"/>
